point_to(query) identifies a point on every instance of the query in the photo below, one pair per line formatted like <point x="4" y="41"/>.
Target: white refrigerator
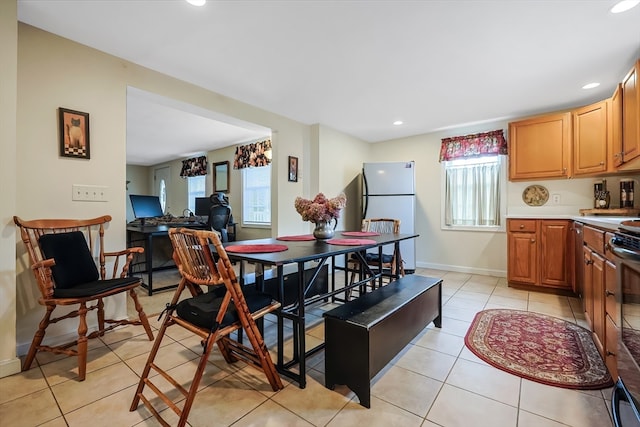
<point x="389" y="192"/>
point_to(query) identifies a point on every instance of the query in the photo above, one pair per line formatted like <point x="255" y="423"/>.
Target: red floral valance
<point x="195" y="166"/>
<point x="253" y="155"/>
<point x="476" y="145"/>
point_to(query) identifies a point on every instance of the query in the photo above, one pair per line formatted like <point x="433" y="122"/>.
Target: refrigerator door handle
<point x="366" y="195"/>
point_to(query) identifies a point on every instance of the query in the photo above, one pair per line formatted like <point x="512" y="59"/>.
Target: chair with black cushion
<point x="389" y="262"/>
<point x="213" y="316"/>
<point x="219" y="216"/>
<point x="63" y="255"/>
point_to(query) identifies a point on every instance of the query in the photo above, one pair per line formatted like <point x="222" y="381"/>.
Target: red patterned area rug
<point x="539" y="348"/>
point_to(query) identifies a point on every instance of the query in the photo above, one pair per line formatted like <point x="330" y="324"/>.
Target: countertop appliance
<point x="625" y="245"/>
<point x="389" y="191"/>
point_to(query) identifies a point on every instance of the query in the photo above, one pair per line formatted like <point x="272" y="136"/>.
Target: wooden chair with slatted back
<point x="231" y="310"/>
<point x="389" y="261"/>
<point x="62" y="255"/>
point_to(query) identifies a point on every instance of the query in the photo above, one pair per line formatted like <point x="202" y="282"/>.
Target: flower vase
<point x="324" y="230"/>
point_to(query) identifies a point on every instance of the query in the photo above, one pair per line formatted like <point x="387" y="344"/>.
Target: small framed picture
<point x="293" y="169"/>
<point x="74" y="133"/>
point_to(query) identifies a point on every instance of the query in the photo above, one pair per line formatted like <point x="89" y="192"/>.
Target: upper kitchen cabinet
<point x="615" y="128"/>
<point x="540" y="147"/>
<point x="590" y="139"/>
<point x="631" y="120"/>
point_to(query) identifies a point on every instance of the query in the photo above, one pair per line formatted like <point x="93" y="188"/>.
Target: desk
<point x="149" y="232"/>
<point x="301" y="252"/>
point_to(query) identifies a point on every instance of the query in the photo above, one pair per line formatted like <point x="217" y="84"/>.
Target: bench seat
<point x="364" y="334"/>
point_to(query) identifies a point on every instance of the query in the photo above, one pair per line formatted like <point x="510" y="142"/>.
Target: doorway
<point x="161" y="178"/>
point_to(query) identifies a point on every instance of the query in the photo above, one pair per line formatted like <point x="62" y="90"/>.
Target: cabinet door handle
<point x="610" y="353"/>
<point x="609" y="293"/>
<point x="588" y="261"/>
<point x="521" y="226"/>
<point x="533" y="240"/>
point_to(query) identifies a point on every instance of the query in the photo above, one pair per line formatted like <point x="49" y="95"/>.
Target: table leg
<point x="148" y="258"/>
<point x="280" y="361"/>
<point x="299" y="329"/>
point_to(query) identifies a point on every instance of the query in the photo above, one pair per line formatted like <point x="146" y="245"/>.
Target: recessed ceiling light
<point x="197" y="2"/>
<point x="591" y="85"/>
<point x="398" y="122"/>
<point x="624" y="5"/>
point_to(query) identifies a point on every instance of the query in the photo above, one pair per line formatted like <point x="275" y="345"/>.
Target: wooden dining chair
<point x="389" y="261"/>
<point x="62" y="255"/>
<point x="212" y="316"/>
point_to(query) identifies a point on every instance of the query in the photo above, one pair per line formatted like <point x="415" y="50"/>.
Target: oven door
<point x="625" y="408"/>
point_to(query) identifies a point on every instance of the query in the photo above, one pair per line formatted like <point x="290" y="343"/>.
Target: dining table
<point x="310" y="254"/>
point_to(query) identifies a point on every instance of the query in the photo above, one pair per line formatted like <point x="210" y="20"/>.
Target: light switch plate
<point x="89" y="193"/>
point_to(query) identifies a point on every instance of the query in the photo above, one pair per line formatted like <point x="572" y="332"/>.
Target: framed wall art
<point x="74" y="133"/>
<point x="293" y="169"/>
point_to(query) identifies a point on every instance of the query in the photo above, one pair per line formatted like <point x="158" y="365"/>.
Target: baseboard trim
<point x="463" y="269"/>
<point x="10" y="367"/>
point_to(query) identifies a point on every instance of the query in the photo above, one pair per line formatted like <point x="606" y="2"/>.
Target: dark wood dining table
<point x="302" y="253"/>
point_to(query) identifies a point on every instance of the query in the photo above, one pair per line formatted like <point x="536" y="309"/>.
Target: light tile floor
<point x="434" y="381"/>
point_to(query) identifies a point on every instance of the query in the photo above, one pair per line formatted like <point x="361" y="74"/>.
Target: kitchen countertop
<point x="607" y="222"/>
<point x="610" y="223"/>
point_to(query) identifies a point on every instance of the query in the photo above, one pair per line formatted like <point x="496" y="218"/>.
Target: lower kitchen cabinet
<point x="539" y="253"/>
<point x="598" y="297"/>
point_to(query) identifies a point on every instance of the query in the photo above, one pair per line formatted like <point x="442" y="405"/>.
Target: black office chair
<point x="219" y="216"/>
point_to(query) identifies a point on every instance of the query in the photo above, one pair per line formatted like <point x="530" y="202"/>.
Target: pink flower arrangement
<point x="320" y="209"/>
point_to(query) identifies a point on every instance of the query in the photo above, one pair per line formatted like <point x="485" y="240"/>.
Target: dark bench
<point x="364" y="334"/>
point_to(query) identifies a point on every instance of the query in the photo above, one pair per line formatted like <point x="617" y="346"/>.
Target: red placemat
<point x="360" y="233"/>
<point x="298" y="238"/>
<point x="257" y="248"/>
<point x="350" y="242"/>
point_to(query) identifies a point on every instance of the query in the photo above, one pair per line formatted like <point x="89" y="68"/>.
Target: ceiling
<point x="353" y="65"/>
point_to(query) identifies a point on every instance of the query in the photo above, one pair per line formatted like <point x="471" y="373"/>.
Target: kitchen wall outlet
<point x="89" y="193"/>
<point x="555" y="199"/>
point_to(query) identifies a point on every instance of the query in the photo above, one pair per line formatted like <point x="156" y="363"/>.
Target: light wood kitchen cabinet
<point x="540" y="147"/>
<point x="597" y="278"/>
<point x="555" y="262"/>
<point x="615" y="128"/>
<point x="599" y="299"/>
<point x="631" y="115"/>
<point x="591" y="139"/>
<point x="523" y="251"/>
<point x="587" y="286"/>
<point x="539" y="252"/>
<point x="578" y="270"/>
<point x="611" y="318"/>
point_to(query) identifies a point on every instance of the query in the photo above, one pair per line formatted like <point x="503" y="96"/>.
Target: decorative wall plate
<point x="535" y="195"/>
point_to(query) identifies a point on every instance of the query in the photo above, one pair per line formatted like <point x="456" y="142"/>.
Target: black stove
<point x="625" y="245"/>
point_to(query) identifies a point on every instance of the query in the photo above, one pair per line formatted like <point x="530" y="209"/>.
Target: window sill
<point x="485" y="229"/>
<point x="254" y="225"/>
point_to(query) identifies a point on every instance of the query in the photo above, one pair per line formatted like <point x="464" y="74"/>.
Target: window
<point x="256" y="196"/>
<point x="195" y="188"/>
<point x="474" y="194"/>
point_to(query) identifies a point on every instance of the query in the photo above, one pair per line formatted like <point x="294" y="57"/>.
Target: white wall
<point x="138" y="183"/>
<point x="9" y="363"/>
<point x="338" y="168"/>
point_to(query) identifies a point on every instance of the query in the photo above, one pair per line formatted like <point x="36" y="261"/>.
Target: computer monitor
<point x="203" y="205"/>
<point x="145" y="206"/>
